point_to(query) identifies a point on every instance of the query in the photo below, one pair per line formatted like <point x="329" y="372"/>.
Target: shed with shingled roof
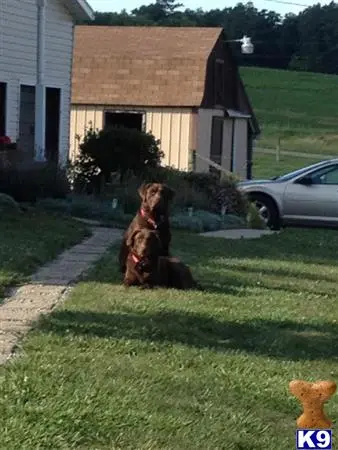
<point x="180" y="83"/>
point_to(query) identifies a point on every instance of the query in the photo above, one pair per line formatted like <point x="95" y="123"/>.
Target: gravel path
<point x="47" y="287"/>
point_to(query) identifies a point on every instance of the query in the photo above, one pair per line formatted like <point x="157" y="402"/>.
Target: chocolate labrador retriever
<point x="153" y="215"/>
<point x="144" y="249"/>
<point x="146" y="268"/>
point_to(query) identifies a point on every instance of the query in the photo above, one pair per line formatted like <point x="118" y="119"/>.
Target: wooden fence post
<point x="278" y="150"/>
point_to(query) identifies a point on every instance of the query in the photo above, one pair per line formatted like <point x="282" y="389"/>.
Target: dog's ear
<point x="170" y="193"/>
<point x="143" y="189"/>
<point x="131" y="238"/>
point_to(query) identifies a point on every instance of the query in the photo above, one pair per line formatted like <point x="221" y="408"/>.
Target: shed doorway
<point x="132" y="120"/>
<point x="216" y="144"/>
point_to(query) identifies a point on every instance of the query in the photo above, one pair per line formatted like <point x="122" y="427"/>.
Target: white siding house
<point x="36" y="45"/>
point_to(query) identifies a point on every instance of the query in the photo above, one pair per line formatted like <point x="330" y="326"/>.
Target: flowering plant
<point x="5" y="140"/>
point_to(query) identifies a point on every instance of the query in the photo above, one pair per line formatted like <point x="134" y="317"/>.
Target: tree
<point x="307" y="41"/>
<point x="318" y="37"/>
<point x="158" y="12"/>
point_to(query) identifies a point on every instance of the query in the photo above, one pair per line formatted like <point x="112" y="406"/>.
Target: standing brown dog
<point x="146" y="268"/>
<point x="153" y="215"/>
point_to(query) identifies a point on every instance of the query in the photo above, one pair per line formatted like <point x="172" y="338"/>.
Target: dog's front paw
<point x="127" y="283"/>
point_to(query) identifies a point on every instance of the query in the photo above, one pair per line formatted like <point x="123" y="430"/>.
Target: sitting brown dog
<point x="145" y="266"/>
<point x="153" y="215"/>
<point x="142" y="260"/>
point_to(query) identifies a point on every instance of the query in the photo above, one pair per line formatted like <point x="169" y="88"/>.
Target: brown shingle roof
<point x="141" y="66"/>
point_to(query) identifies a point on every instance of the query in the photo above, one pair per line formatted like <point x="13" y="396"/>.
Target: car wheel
<point x="267" y="210"/>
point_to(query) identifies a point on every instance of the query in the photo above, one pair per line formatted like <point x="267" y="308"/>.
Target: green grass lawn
<point x="117" y="369"/>
<point x="265" y="166"/>
<point x="31" y="239"/>
<point x="298" y="108"/>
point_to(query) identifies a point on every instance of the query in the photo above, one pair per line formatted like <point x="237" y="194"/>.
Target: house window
<point x="219" y="82"/>
<point x="27" y="119"/>
<point x="3" y="94"/>
<point x="216" y="142"/>
<point x="124" y="119"/>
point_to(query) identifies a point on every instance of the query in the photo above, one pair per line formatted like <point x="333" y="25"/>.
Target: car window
<point x="296" y="173"/>
<point x="326" y="176"/>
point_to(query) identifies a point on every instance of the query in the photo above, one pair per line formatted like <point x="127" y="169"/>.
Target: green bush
<point x="204" y="221"/>
<point x="231" y="221"/>
<point x="8" y="205"/>
<point x="182" y="221"/>
<point x="37" y="181"/>
<point x="203" y="190"/>
<point x="113" y="149"/>
<point x="254" y="220"/>
<point x="88" y="207"/>
<point x="227" y="196"/>
<point x="115" y="161"/>
<point x="200" y="191"/>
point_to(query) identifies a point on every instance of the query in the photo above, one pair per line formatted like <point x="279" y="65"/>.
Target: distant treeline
<point x="307" y="41"/>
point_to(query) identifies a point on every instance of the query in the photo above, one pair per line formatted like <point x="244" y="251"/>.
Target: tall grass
<point x="298" y="108"/>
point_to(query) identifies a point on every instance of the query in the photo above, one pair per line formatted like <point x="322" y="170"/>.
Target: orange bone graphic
<point x="312" y="397"/>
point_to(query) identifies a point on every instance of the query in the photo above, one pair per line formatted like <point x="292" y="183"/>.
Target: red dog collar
<point x="135" y="258"/>
<point x="148" y="219"/>
<point x="141" y="264"/>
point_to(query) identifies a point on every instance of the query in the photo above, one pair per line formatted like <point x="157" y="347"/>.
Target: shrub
<point x="91" y="207"/>
<point x="86" y="207"/>
<point x="84" y="175"/>
<point x="204" y="191"/>
<point x="199" y="190"/>
<point x="227" y="196"/>
<point x="254" y="220"/>
<point x="37" y="181"/>
<point x="8" y="205"/>
<point x="115" y="149"/>
<point x="183" y="221"/>
<point x="221" y="193"/>
<point x="205" y="182"/>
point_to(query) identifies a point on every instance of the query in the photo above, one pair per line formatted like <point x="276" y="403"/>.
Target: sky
<point x="282" y="7"/>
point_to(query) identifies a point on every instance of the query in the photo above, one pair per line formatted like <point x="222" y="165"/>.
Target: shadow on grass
<point x="286" y="340"/>
<point x="234" y="284"/>
<point x="275" y="272"/>
<point x="227" y="283"/>
<point x="300" y="245"/>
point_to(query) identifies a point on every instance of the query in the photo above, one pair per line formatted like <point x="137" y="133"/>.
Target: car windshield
<point x="295" y="173"/>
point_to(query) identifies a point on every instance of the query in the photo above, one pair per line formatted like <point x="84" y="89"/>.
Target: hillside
<point x="298" y="108"/>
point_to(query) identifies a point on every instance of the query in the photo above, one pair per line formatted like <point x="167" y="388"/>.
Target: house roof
<point x="141" y="66"/>
<point x="80" y="9"/>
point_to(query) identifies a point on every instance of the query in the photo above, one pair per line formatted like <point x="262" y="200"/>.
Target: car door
<point x="315" y="200"/>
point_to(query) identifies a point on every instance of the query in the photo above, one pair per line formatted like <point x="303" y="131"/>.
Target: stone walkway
<point x="47" y="287"/>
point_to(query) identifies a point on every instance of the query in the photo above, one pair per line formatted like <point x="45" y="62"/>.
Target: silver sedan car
<point x="305" y="196"/>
